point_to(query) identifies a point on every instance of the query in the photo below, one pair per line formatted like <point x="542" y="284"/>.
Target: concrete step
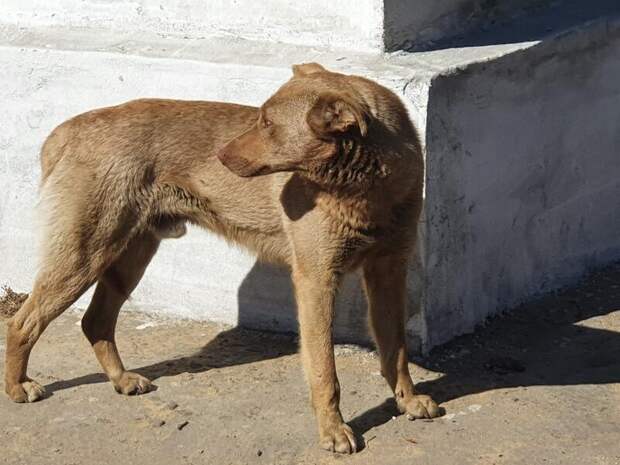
<point x="363" y="25"/>
<point x="505" y="173"/>
<point x="352" y="24"/>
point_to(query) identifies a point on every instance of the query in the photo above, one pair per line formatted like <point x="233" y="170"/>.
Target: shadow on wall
<point x="267" y="302"/>
<point x="493" y="27"/>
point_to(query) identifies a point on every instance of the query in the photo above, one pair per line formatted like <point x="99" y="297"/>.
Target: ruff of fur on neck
<point x="354" y="166"/>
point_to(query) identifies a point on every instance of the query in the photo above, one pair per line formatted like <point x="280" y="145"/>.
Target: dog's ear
<point x="336" y="115"/>
<point x="304" y="69"/>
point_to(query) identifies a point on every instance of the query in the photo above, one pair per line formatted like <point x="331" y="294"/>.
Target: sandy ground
<point x="539" y="386"/>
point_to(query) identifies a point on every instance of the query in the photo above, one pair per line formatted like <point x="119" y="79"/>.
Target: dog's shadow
<point x="546" y="342"/>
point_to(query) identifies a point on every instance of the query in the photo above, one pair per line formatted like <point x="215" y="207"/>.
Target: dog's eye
<point x="267" y="123"/>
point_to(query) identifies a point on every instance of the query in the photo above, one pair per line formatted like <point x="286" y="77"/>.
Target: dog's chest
<point x="352" y="236"/>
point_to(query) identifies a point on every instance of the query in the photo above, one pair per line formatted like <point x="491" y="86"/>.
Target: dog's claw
<point x="131" y="384"/>
<point x="340" y="439"/>
<point x="26" y="392"/>
<point x="421" y="406"/>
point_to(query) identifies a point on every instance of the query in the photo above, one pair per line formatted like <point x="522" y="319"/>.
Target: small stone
<point x="171" y="405"/>
<point x="474" y="408"/>
<point x="157" y="422"/>
<point x="259" y="452"/>
<point x="182" y="425"/>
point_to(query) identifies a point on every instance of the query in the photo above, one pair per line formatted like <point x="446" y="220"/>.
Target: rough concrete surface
<point x="370" y="25"/>
<point x="524" y="149"/>
<point x="421" y="24"/>
<point x="539" y="386"/>
<point x="362" y="25"/>
<point x="317" y="23"/>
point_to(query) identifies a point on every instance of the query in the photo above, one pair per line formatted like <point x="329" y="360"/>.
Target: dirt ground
<point x="538" y="386"/>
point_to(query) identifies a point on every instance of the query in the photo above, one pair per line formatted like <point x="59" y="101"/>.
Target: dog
<point x="325" y="178"/>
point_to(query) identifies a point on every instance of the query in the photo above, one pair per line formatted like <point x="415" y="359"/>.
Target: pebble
<point x="157" y="422"/>
<point x="182" y="425"/>
<point x="171" y="405"/>
<point x="474" y="408"/>
<point x="149" y="324"/>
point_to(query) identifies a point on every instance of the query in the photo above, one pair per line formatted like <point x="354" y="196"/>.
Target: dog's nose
<point x="223" y="156"/>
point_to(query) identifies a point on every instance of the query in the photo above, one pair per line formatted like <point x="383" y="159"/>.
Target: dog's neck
<point x="355" y="168"/>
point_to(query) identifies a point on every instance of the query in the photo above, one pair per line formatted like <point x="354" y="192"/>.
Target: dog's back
<point x="137" y="127"/>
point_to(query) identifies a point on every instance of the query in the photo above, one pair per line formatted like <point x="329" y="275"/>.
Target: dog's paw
<point x="28" y="391"/>
<point x="132" y="384"/>
<point x="338" y="438"/>
<point x="420" y="406"/>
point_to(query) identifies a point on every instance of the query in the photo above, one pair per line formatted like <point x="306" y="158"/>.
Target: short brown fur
<point x="344" y="192"/>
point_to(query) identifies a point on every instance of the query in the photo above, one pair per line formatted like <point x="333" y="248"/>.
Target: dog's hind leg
<point x="99" y="322"/>
<point x="385" y="285"/>
<point x="55" y="289"/>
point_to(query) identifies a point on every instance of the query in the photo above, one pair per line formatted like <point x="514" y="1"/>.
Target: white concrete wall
<point x="343" y="24"/>
<point x="523" y="176"/>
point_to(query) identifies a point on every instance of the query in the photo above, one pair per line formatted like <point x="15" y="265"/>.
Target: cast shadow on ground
<point x="546" y="342"/>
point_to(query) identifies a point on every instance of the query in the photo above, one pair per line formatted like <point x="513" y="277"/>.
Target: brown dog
<point x="347" y="195"/>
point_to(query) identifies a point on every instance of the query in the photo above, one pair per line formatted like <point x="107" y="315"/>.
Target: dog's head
<point x="303" y="123"/>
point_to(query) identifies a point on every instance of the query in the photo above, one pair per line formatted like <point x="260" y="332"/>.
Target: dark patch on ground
<point x="11" y="301"/>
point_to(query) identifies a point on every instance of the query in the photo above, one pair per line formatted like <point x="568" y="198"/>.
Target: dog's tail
<point x="54" y="148"/>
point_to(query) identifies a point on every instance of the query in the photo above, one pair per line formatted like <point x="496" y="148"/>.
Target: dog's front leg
<point x="385" y="285"/>
<point x="315" y="293"/>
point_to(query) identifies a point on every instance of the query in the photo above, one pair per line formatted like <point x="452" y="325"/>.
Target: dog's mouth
<point x="249" y="171"/>
<point x="242" y="167"/>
